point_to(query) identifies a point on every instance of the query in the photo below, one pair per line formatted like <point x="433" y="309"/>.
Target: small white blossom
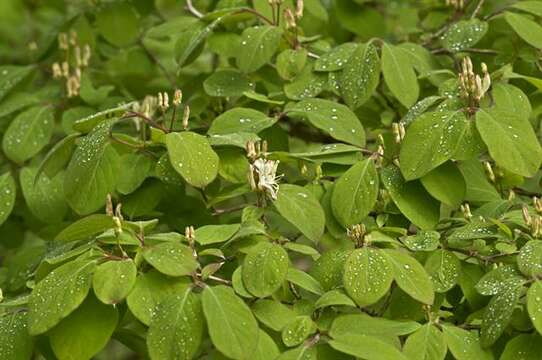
<point x="266" y="171"/>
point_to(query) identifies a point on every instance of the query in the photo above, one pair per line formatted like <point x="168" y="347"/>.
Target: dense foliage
<point x="270" y="179"/>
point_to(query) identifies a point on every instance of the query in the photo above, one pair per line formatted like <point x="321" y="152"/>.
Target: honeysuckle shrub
<point x="318" y="179"/>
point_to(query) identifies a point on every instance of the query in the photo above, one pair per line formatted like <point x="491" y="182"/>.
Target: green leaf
<point x="44" y="197"/>
<point x="419" y="108"/>
<point x="10" y="76"/>
<point x="524" y="346"/>
<point x="498" y="314"/>
<point x="335" y="119"/>
<point x="85" y="125"/>
<point x="360" y="76"/>
<point x="15" y="342"/>
<point x="464" y="34"/>
<point x="399" y="75"/>
<point x="213" y="234"/>
<point x="306" y="84"/>
<point x="427" y="343"/>
<point x="411" y="277"/>
<point x="469" y="277"/>
<point x="432" y="139"/>
<point x="258" y="45"/>
<point x="534" y="305"/>
<point x="192" y="157"/>
<point x="301" y="352"/>
<point x="113" y="280"/>
<point x="240" y="120"/>
<point x="92" y="171"/>
<point x="530" y="259"/>
<point x="118" y="24"/>
<point x="511" y="141"/>
<point x="336" y="58"/>
<point x="533" y="7"/>
<point x="355" y="193"/>
<point x="368" y="275"/>
<point x="227" y="83"/>
<point x="366" y="347"/>
<point x="57" y="158"/>
<point x="151" y="289"/>
<point x="304" y="280"/>
<point x="171" y="258"/>
<point x="334" y="298"/>
<point x="134" y="169"/>
<point x="499" y="279"/>
<point x="291" y="62"/>
<point x="262" y="98"/>
<point x="7" y="196"/>
<point x="297" y="330"/>
<point x="479" y="189"/>
<point x="264" y="269"/>
<point x="176" y="331"/>
<point x="28" y="133"/>
<point x="84" y="332"/>
<point x="300" y="207"/>
<point x="328" y="269"/>
<point x="363" y="21"/>
<point x="506" y="97"/>
<point x="443" y="268"/>
<point x="465" y="345"/>
<point x="90" y="94"/>
<point x="364" y="324"/>
<point x="86" y="227"/>
<point x="266" y="349"/>
<point x="232" y="327"/>
<point x="59" y="294"/>
<point x="272" y="313"/>
<point x="411" y="198"/>
<point x="446" y="183"/>
<point x="423" y="240"/>
<point x="526" y="28"/>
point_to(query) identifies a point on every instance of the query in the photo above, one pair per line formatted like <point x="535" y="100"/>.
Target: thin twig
<point x="147" y="120"/>
<point x="218" y="279"/>
<point x="190" y="7"/>
<point x="477" y="9"/>
<point x="161" y="66"/>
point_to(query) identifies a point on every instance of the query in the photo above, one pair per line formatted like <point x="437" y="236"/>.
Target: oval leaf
<point x="368" y="275"/>
<point x="232" y="327"/>
<point x="300" y="207"/>
<point x="264" y="269"/>
<point x="355" y="193"/>
<point x="192" y="157"/>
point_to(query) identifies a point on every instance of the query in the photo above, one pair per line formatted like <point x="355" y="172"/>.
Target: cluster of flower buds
<point x="292" y="16"/>
<point x="116" y="214"/>
<point x="190" y="235"/>
<point x="81" y="59"/>
<point x="472" y="86"/>
<point x="533" y="221"/>
<point x="163" y="104"/>
<point x="358" y="234"/>
<point x="465" y="209"/>
<point x="398" y="130"/>
<point x="147" y="107"/>
<point x="262" y="175"/>
<point x="163" y="101"/>
<point x="456" y="4"/>
<point x="489" y="171"/>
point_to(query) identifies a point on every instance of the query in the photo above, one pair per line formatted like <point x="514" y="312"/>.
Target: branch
<point x="478" y="8"/>
<point x="190" y="7"/>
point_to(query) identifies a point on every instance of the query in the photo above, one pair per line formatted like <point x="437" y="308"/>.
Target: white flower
<point x="266" y="171"/>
